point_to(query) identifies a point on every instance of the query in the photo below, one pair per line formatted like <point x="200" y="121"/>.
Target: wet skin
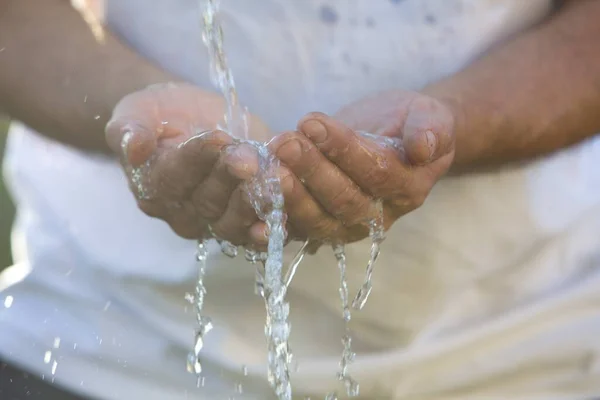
<point x="330" y="173"/>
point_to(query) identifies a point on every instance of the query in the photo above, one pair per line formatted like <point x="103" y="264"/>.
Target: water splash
<point x="139" y="176"/>
<point x="296" y="261"/>
<point x="236" y="117"/>
<point x="352" y="387"/>
<point x="8" y="301"/>
<point x="204" y="323"/>
<point x="267" y="199"/>
<point x="377" y="235"/>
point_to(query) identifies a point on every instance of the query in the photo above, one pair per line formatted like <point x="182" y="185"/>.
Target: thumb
<point x="428" y="131"/>
<point x="133" y="142"/>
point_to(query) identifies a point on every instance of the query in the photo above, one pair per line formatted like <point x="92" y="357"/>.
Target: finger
<point x="130" y="141"/>
<point x="234" y="225"/>
<point x="160" y="113"/>
<point x="329" y="185"/>
<point x="176" y="172"/>
<point x="376" y="169"/>
<point x="131" y="131"/>
<point x="184" y="220"/>
<point x="235" y="163"/>
<point x="259" y="236"/>
<point x="152" y="208"/>
<point x="428" y="132"/>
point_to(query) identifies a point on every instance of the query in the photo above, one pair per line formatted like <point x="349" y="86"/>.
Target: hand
<point x="180" y="168"/>
<point x="343" y="171"/>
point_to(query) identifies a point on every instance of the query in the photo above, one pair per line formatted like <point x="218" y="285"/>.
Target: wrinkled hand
<point x="335" y="172"/>
<point x="180" y="168"/>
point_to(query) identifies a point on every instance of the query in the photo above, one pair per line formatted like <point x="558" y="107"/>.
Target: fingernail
<point x="290" y="151"/>
<point x="315" y="130"/>
<point x="125" y="144"/>
<point x="431" y="142"/>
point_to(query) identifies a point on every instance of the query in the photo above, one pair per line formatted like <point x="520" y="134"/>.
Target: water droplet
<point x="56" y="343"/>
<point x="97" y="117"/>
<point x="229" y="249"/>
<point x="47" y="357"/>
<point x="8" y="301"/>
<point x="239" y="388"/>
<point x="54" y="366"/>
<point x="190" y="298"/>
<point x="377" y="234"/>
<point x="193" y="364"/>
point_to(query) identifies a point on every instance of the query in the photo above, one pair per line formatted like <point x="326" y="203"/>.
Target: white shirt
<point x="491" y="290"/>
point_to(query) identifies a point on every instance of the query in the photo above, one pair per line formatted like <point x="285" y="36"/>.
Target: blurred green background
<point x="6" y="207"/>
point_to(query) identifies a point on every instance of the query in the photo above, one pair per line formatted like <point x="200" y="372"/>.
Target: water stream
<point x="267" y="199"/>
<point x="352" y="387"/>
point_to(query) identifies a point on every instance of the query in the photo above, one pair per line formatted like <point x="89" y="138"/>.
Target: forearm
<point x="534" y="95"/>
<point x="57" y="79"/>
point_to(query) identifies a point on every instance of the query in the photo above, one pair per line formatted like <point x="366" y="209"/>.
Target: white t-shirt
<point x="490" y="291"/>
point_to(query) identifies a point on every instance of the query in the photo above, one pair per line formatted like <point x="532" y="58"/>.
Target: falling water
<point x="352" y="387"/>
<point x="236" y="118"/>
<point x="266" y="196"/>
<point x="377" y="234"/>
<point x="204" y="323"/>
<point x="267" y="199"/>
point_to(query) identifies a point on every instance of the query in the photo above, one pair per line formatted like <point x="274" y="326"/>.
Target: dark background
<point x="6" y="207"/>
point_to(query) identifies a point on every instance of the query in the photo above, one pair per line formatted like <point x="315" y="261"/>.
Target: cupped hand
<point x="336" y="170"/>
<point x="180" y="167"/>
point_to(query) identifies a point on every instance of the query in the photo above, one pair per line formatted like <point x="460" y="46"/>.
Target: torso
<point x="454" y="277"/>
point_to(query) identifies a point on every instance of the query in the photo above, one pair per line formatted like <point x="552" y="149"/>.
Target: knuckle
<point x="377" y="177"/>
<point x="151" y="209"/>
<point x="209" y="210"/>
<point x="246" y="215"/>
<point x="342" y="201"/>
<point x="184" y="230"/>
<point x="418" y="199"/>
<point x="183" y="220"/>
<point x="223" y="230"/>
<point x="402" y="185"/>
<point x="350" y="205"/>
<point x="287" y="180"/>
<point x="166" y="176"/>
<point x="206" y="206"/>
<point x="323" y="228"/>
<point x="312" y="165"/>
